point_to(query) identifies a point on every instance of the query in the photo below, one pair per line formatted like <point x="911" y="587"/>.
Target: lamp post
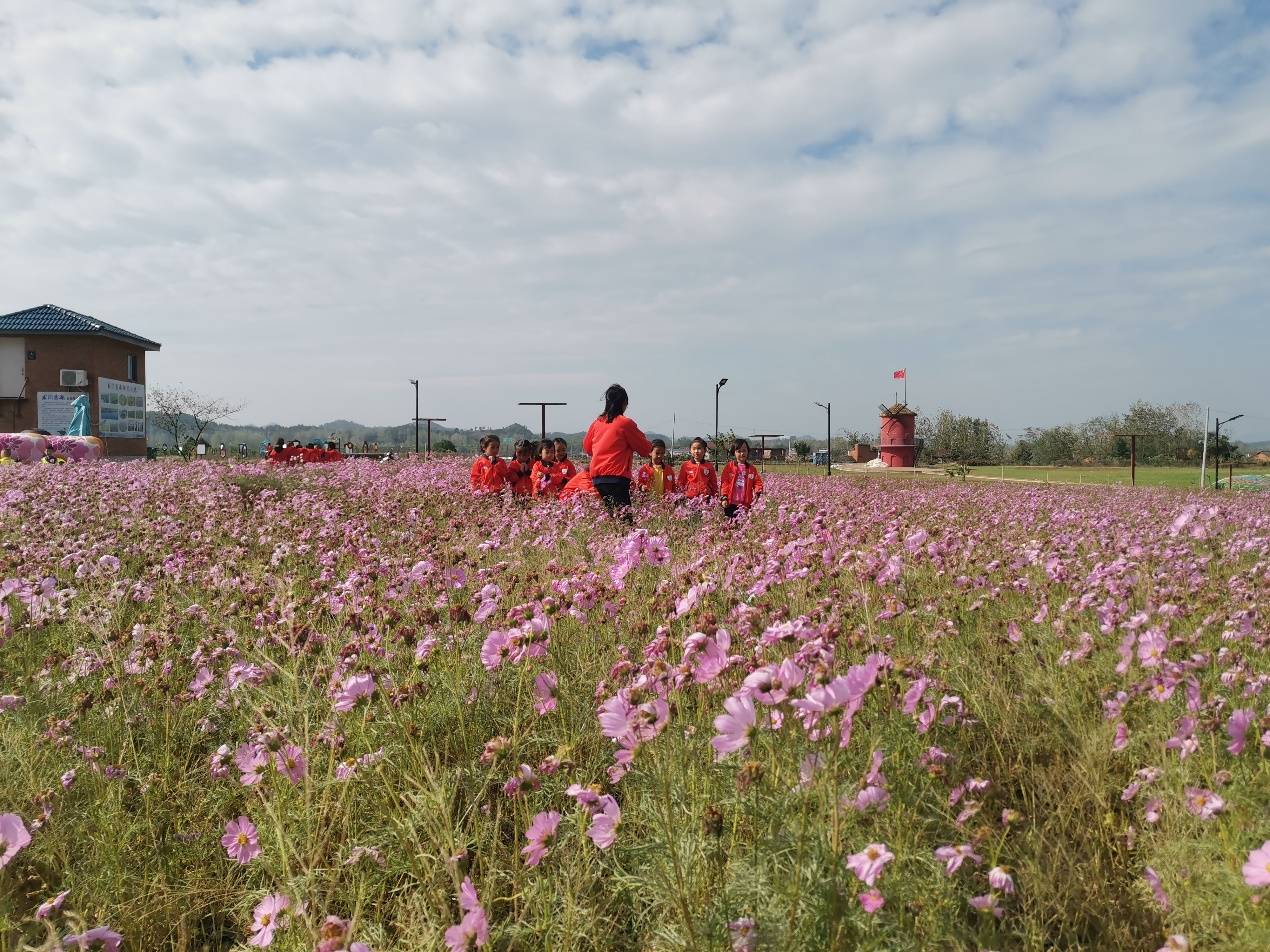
<point x="1217" y="447"/>
<point x="430" y="420"/>
<point x="416" y="386"/>
<point x="543" y="404"/>
<point x="717" y="387"/>
<point x="828" y="437"/>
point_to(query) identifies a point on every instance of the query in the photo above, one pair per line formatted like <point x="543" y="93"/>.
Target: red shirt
<point x="520" y="478"/>
<point x="697" y="479"/>
<point x="737" y="489"/>
<point x="579" y="484"/>
<point x="565" y="470"/>
<point x="546" y="480"/>
<point x="644" y="478"/>
<point x="489" y="475"/>
<point x="612" y="445"/>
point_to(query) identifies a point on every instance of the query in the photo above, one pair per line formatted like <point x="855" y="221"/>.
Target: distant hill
<point x="388" y="437"/>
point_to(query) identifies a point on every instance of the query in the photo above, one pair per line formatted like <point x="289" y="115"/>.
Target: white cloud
<point x="310" y="202"/>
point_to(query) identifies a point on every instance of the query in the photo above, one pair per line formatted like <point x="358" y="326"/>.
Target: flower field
<point x="357" y="708"/>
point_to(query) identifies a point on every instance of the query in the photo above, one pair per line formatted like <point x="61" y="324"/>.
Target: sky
<point x="1042" y="209"/>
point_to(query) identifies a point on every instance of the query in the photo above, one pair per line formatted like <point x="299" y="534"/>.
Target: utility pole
<point x="1217" y="449"/>
<point x="543" y="404"/>
<point x="1203" y="459"/>
<point x="429" y="420"/>
<point x="416" y="386"/>
<point x="762" y="453"/>
<point x="1133" y="456"/>
<point x="828" y="437"/>
<point x="717" y="387"/>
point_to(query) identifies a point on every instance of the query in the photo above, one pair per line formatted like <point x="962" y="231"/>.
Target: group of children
<point x="293" y="454"/>
<point x="554" y="475"/>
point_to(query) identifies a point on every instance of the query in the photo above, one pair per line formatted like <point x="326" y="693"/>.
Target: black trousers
<point x="614" y="490"/>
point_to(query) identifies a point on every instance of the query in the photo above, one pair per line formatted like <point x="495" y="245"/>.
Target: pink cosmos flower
<point x="987" y="904"/>
<point x="240" y="840"/>
<point x="1152" y="811"/>
<point x="13" y="836"/>
<point x="291" y="762"/>
<point x="953" y="856"/>
<point x="354" y="687"/>
<point x="251" y="760"/>
<point x="1000" y="880"/>
<point x="110" y="941"/>
<point x="50" y="906"/>
<point x="9" y="702"/>
<point x="1175" y="943"/>
<point x="604" y="824"/>
<point x="1237" y="729"/>
<point x="1152" y="646"/>
<point x="269" y="915"/>
<point x="1122" y="737"/>
<point x="734" y="728"/>
<point x="868" y="863"/>
<point x="545" y="686"/>
<point x="1157" y="888"/>
<point x="204" y="677"/>
<point x="1203" y="803"/>
<point x="1257" y="869"/>
<point x="496" y="649"/>
<point x="473" y="930"/>
<point x="541" y="835"/>
<point x="424" y="649"/>
<point x="744" y="934"/>
<point x="872" y="901"/>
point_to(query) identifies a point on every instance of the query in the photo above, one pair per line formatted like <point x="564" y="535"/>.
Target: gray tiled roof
<point x="51" y="319"/>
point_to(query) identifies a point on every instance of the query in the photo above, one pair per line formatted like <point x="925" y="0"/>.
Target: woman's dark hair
<point x="615" y="402"/>
<point x="701" y="440"/>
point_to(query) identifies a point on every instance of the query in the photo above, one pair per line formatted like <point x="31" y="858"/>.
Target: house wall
<point x="99" y="356"/>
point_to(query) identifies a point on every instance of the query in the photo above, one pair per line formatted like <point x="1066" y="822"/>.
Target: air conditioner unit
<point x="74" y="378"/>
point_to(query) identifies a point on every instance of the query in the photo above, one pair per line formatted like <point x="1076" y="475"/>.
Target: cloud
<point x="310" y="202"/>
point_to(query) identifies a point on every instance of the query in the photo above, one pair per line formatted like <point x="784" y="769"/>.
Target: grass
<point x="1174" y="477"/>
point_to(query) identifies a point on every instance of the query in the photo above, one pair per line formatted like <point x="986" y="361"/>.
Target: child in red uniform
<point x="740" y="485"/>
<point x="546" y="481"/>
<point x="658" y="476"/>
<point x="579" y="485"/>
<point x="564" y="468"/>
<point x="489" y="472"/>
<point x="696" y="474"/>
<point x="521" y="468"/>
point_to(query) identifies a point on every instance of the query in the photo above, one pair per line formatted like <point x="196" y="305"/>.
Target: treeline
<point x="1167" y="435"/>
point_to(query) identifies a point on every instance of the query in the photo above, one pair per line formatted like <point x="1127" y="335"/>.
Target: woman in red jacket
<point x="611" y="441"/>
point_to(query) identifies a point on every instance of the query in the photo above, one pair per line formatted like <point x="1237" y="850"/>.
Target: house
<point x="50" y="355"/>
<point x="1262" y="457"/>
<point x="863" y="453"/>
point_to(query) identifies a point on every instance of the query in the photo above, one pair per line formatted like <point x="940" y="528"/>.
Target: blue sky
<point x="1044" y="209"/>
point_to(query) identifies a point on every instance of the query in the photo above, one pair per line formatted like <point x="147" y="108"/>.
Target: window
<point x="132" y="368"/>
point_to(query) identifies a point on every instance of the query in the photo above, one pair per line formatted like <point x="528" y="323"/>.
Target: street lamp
<point x="416" y="386"/>
<point x="1217" y="448"/>
<point x="717" y="387"/>
<point x="828" y="437"/>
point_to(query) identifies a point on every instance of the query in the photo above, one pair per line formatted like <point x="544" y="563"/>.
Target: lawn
<point x="354" y="707"/>
<point x="1175" y="477"/>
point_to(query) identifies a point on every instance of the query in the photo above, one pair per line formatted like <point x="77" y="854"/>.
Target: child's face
<point x="659" y="456"/>
<point x="524" y="454"/>
<point x="547" y="453"/>
<point x="742" y="453"/>
<point x="562" y="453"/>
<point x="491" y="448"/>
<point x="698" y="451"/>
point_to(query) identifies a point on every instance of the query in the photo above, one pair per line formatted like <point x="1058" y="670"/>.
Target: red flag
<point x="899" y="374"/>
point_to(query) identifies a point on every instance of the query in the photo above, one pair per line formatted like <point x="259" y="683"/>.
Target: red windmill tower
<point x="898" y="442"/>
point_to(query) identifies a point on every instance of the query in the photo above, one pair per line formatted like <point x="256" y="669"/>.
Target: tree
<point x="444" y="446"/>
<point x="179" y="410"/>
<point x="964" y="439"/>
<point x="802" y="448"/>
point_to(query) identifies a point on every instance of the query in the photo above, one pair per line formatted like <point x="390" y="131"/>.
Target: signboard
<point x="54" y="411"/>
<point x="123" y="409"/>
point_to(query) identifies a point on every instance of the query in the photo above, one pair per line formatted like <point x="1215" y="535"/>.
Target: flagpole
<point x="905" y="386"/>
